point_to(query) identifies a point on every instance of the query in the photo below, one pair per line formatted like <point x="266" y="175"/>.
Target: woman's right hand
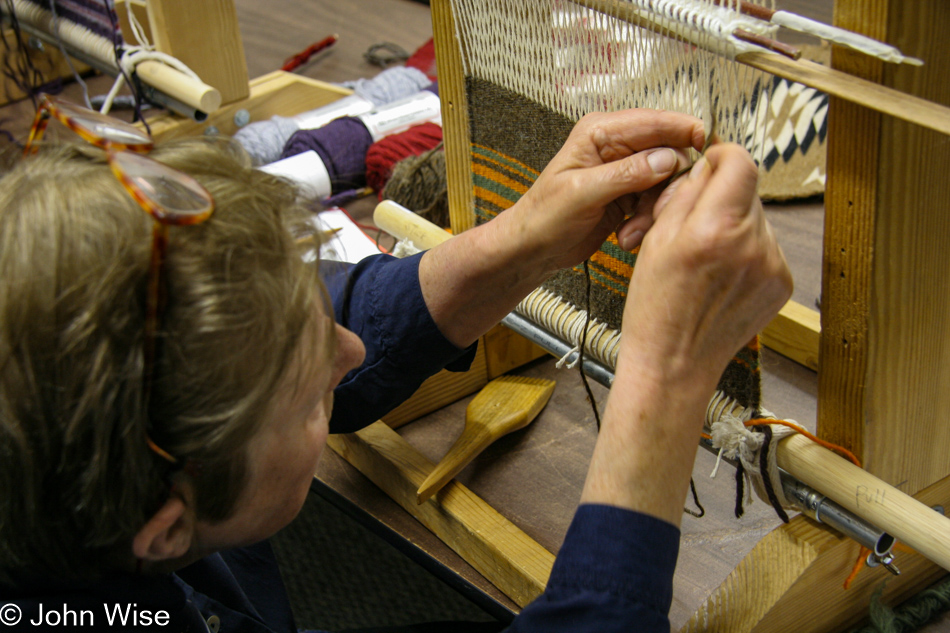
<point x="709" y="276"/>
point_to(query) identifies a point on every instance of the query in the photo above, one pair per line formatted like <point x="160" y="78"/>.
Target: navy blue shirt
<point x="614" y="571"/>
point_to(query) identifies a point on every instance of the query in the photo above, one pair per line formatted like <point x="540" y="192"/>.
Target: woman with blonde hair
<point x="168" y="379"/>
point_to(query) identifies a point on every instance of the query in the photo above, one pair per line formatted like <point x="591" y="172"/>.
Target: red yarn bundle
<point x="424" y="59"/>
<point x="385" y="153"/>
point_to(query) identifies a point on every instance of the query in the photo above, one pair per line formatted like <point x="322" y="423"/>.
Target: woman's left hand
<point x="595" y="181"/>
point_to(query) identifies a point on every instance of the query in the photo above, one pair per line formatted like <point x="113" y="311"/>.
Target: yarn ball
<point x="264" y="140"/>
<point x="385" y="153"/>
<point x="342" y="145"/>
<point x="419" y="183"/>
<point x="390" y="85"/>
<point x="424" y="59"/>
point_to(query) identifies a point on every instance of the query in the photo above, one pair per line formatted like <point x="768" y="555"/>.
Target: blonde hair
<point x="77" y="477"/>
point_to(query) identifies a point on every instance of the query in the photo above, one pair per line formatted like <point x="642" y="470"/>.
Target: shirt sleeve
<point x="613" y="573"/>
<point x="380" y="300"/>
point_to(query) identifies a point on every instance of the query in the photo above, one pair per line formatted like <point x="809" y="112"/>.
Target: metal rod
<point x="161" y="99"/>
<point x="824" y="510"/>
<point x="556" y="346"/>
<point x="811" y="502"/>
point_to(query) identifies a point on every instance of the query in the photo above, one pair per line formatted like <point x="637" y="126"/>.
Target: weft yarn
<point x="726" y="420"/>
<point x="265" y="140"/>
<point x="385" y="153"/>
<point x="342" y="145"/>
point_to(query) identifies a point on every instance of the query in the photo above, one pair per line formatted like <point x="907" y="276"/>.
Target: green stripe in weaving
<point x="618" y="253"/>
<point x="505" y="192"/>
<point x="750" y="357"/>
<point x="606" y="273"/>
<point x="507" y="172"/>
<point x="483" y="215"/>
<point x="484" y="151"/>
<point x="595" y="275"/>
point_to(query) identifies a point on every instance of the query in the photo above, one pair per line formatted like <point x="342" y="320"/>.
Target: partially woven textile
<point x="533" y="68"/>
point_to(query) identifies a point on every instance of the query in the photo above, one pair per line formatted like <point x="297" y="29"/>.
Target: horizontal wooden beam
<point x="795" y="333"/>
<point x="833" y="82"/>
<point x="510" y="559"/>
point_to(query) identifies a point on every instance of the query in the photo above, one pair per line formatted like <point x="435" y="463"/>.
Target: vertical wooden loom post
<point x="885" y="349"/>
<point x="885" y="353"/>
<point x="455" y="128"/>
<point x="205" y="36"/>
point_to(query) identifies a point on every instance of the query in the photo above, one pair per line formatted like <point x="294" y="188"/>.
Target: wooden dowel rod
<point x="857" y="490"/>
<point x="192" y="92"/>
<point x="402" y="223"/>
<point x="792" y="52"/>
<point x="834" y="82"/>
<point x="747" y="8"/>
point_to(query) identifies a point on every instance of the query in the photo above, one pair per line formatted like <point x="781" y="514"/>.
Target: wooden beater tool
<point x="504" y="405"/>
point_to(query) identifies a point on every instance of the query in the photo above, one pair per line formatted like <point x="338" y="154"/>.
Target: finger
<point x="597" y="186"/>
<point x="631" y="231"/>
<point x="621" y="134"/>
<point x="684" y="194"/>
<point x="734" y="176"/>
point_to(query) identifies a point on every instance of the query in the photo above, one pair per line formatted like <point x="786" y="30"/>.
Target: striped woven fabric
<point x="499" y="181"/>
<point x="512" y="140"/>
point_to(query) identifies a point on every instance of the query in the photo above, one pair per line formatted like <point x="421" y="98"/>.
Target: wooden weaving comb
<point x="504" y="405"/>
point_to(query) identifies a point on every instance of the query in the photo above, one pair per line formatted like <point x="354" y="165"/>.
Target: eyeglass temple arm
<point x="40" y="121"/>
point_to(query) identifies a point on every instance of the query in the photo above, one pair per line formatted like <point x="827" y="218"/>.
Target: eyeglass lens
<point x="102" y="126"/>
<point x="177" y="195"/>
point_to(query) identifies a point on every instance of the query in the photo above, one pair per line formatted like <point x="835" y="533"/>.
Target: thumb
<point x="632" y="174"/>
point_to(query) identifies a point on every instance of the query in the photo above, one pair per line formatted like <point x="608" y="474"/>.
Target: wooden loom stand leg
<point x="792" y="581"/>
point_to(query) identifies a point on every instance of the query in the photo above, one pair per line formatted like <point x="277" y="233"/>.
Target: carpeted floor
<point x="341" y="576"/>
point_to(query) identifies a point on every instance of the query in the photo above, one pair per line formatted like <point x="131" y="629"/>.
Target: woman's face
<point x="283" y="455"/>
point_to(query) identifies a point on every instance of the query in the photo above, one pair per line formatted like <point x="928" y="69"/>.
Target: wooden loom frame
<point x="802" y="563"/>
<point x="883" y="345"/>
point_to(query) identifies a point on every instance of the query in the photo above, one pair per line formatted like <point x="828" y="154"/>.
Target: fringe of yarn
<point x="752" y="448"/>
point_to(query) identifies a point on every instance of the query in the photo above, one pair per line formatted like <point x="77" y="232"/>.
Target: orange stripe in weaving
<point x="528" y="171"/>
<point x="491" y="174"/>
<point x="618" y="269"/>
<point x="494" y="198"/>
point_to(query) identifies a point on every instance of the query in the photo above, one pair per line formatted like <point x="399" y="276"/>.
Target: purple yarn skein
<point x="342" y="145"/>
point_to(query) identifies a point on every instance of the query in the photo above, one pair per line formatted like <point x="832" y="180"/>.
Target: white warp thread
<point x="567" y="323"/>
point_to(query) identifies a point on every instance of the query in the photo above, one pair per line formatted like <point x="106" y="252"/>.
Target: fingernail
<point x="631" y="241"/>
<point x="698" y="168"/>
<point x="662" y="160"/>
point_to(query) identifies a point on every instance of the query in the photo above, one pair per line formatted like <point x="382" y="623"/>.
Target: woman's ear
<point x="169" y="533"/>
